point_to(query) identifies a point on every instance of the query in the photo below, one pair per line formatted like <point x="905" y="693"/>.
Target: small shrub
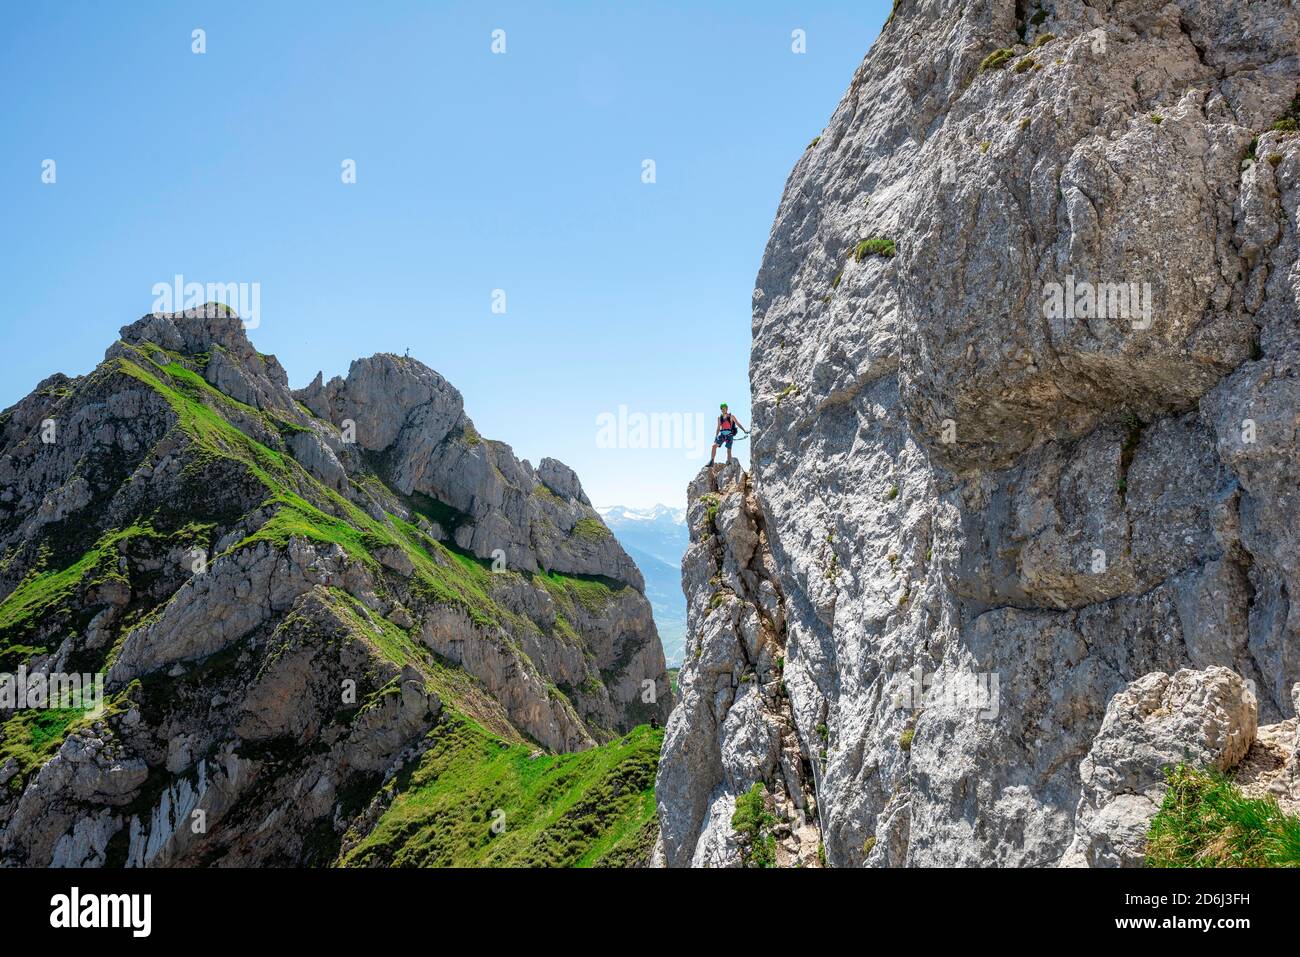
<point x="997" y="59"/>
<point x="875" y="246"/>
<point x="1028" y="63"/>
<point x="868" y="844"/>
<point x="892" y="493"/>
<point x="814" y="142"/>
<point x="984" y="147"/>
<point x="752" y="822"/>
<point x="905" y="739"/>
<point x="1285" y="125"/>
<point x="1043" y="40"/>
<point x="1274" y="159"/>
<point x="1157" y="119"/>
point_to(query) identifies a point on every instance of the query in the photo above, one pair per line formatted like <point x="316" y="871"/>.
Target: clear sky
<point x="475" y="171"/>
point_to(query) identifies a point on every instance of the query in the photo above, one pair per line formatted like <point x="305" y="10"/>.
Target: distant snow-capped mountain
<point x="656" y="513"/>
<point x="656" y="538"/>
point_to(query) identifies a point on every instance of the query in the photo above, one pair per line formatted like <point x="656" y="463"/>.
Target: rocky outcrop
<point x="1204" y="718"/>
<point x="413" y="422"/>
<point x="1025" y="380"/>
<point x="732" y="728"/>
<point x="291" y="598"/>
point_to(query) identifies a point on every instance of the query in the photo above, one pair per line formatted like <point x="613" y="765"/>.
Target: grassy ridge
<point x="571" y="810"/>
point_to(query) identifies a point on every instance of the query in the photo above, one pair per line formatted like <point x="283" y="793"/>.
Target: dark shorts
<point x="724" y="438"/>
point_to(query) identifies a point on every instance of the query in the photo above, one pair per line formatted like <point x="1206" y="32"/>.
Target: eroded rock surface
<point x="732" y="727"/>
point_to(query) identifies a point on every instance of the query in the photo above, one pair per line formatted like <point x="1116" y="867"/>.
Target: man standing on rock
<point x="727" y="426"/>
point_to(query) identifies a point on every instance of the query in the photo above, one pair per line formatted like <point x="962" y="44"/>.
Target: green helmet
<point x="723" y="406"/>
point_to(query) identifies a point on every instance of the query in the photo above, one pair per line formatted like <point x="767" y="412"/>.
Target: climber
<point x="727" y="426"/>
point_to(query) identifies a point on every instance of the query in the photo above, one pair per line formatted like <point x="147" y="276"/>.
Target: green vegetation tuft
<point x="1205" y="821"/>
<point x="875" y="246"/>
<point x="1027" y="63"/>
<point x="591" y="530"/>
<point x="752" y="822"/>
<point x="593" y="594"/>
<point x="997" y="59"/>
<point x="31" y="736"/>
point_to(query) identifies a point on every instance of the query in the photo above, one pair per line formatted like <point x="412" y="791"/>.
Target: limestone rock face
<point x="732" y="727"/>
<point x="990" y="502"/>
<point x="290" y="598"/>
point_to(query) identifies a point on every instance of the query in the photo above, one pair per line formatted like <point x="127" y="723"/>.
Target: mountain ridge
<point x="293" y="592"/>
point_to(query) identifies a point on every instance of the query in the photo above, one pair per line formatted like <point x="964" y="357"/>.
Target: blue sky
<point x="475" y="172"/>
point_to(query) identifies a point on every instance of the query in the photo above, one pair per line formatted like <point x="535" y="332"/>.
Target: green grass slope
<point x="475" y="801"/>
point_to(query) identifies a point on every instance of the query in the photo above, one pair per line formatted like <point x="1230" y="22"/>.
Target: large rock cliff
<point x="303" y="606"/>
<point x="1026" y="389"/>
